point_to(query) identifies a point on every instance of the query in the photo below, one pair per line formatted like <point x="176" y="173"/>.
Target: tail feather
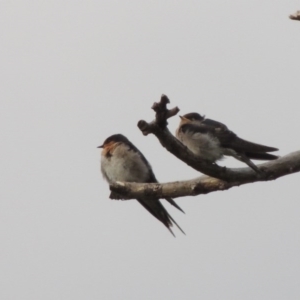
<point x="260" y="156"/>
<point x="241" y="145"/>
<point x="176" y="225"/>
<point x="172" y="202"/>
<point x="156" y="209"/>
<point x="116" y="196"/>
<point x="171" y="232"/>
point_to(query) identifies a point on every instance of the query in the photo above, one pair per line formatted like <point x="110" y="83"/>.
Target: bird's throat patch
<point x="109" y="148"/>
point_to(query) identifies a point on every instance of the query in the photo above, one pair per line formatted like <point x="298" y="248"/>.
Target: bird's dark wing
<point x="224" y="135"/>
<point x="227" y="138"/>
<point x="214" y="123"/>
<point x="197" y="128"/>
<point x="135" y="149"/>
<point x="241" y="145"/>
<point x="151" y="178"/>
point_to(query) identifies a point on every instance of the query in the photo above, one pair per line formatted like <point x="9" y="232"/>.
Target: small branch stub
<point x="161" y="116"/>
<point x="144" y="127"/>
<point x="162" y="113"/>
<point x="295" y="16"/>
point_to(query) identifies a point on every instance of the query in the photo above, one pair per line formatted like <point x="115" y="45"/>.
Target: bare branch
<point x="285" y="165"/>
<point x="295" y="16"/>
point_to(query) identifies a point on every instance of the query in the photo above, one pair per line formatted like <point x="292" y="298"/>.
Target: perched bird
<point x="211" y="140"/>
<point x="122" y="161"/>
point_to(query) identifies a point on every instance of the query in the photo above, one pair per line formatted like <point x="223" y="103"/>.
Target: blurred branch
<point x="285" y="165"/>
<point x="295" y="16"/>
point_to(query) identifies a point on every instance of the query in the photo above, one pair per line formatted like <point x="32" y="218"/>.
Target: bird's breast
<point x="124" y="164"/>
<point x="205" y="146"/>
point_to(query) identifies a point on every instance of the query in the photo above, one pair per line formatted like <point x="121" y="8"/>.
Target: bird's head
<point x="113" y="140"/>
<point x="194" y="117"/>
<point x="191" y="118"/>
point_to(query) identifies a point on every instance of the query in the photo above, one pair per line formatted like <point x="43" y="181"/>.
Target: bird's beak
<point x="100" y="146"/>
<point x="183" y="118"/>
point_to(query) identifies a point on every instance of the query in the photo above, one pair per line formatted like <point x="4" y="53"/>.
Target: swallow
<point x="212" y="140"/>
<point x="122" y="161"/>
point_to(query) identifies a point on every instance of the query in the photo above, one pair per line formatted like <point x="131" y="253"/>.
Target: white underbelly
<point x="202" y="145"/>
<point x="131" y="169"/>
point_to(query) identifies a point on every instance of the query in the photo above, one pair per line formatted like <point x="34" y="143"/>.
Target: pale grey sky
<point x="73" y="73"/>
